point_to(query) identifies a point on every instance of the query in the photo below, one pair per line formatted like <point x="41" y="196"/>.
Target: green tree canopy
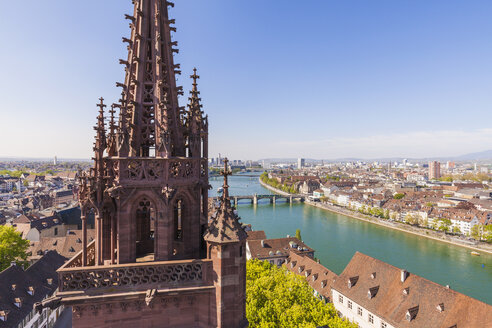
<point x="398" y="196"/>
<point x="298" y="234"/>
<point x="276" y="297"/>
<point x="12" y="247"/>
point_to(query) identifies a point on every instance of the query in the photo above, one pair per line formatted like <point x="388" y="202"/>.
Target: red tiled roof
<point x="391" y="304"/>
<point x="317" y="276"/>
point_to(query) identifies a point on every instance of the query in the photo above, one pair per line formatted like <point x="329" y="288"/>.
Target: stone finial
<point x="225" y="173"/>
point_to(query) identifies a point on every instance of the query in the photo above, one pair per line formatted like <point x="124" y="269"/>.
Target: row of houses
<point x="373" y="293"/>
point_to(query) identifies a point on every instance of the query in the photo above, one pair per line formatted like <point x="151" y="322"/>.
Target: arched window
<point x="145" y="227"/>
<point x="178" y="220"/>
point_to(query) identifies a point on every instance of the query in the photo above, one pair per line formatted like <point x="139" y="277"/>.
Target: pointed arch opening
<point x="145" y="227"/>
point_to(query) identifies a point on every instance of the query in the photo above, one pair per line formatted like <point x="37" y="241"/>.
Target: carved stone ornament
<point x="168" y="193"/>
<point x="149" y="296"/>
<point x="78" y="311"/>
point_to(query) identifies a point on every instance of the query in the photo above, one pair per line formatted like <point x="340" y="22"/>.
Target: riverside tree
<point x="276" y="297"/>
<point x="12" y="247"/>
<point x="298" y="234"/>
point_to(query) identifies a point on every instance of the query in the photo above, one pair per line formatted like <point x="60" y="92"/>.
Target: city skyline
<point x="379" y="80"/>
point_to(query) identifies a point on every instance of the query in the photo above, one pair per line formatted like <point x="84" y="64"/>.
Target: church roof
<point x="225" y="228"/>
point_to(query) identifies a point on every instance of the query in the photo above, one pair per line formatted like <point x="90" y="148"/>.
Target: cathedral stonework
<point x="157" y="260"/>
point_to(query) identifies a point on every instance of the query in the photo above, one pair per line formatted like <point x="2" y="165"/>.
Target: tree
<point x="398" y="196"/>
<point x="411" y="219"/>
<point x="12" y="247"/>
<point x="456" y="230"/>
<point x="487" y="233"/>
<point x="444" y="224"/>
<point x="476" y="231"/>
<point x="276" y="297"/>
<point x="298" y="234"/>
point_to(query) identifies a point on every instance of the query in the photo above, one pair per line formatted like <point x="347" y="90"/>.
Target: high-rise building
<point x="450" y="165"/>
<point x="156" y="261"/>
<point x="434" y="170"/>
<point x="55" y="161"/>
<point x="301" y="162"/>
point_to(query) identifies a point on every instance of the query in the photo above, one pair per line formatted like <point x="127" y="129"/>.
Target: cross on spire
<point x="195" y="78"/>
<point x="225" y="172"/>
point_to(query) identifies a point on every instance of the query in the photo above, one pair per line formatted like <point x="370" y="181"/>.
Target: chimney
<point x="404" y="275"/>
<point x="13" y="263"/>
<point x="263" y="243"/>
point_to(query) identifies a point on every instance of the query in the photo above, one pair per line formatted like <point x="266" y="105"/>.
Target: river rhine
<point x="337" y="237"/>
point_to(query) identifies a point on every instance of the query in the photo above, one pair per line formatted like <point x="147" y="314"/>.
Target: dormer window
<point x="440" y="307"/>
<point x="372" y="292"/>
<point x="293" y="264"/>
<point x="323" y="284"/>
<point x="307" y="273"/>
<point x="78" y="241"/>
<point x="301" y="268"/>
<point x="14" y="287"/>
<point x="406" y="291"/>
<point x="71" y="249"/>
<point x="18" y="302"/>
<point x="373" y="275"/>
<point x="352" y="281"/>
<point x="412" y="313"/>
<point x="315" y="276"/>
<point x="49" y="281"/>
<point x="30" y="290"/>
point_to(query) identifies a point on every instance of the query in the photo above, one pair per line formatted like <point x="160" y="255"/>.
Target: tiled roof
<point x="317" y="276"/>
<point x="276" y="247"/>
<point x="422" y="301"/>
<point x="71" y="216"/>
<point x="40" y="280"/>
<point x="67" y="246"/>
<point x="225" y="227"/>
<point x="256" y="235"/>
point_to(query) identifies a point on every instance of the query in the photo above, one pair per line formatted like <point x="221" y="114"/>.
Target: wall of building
<point x="341" y="303"/>
<point x="181" y="310"/>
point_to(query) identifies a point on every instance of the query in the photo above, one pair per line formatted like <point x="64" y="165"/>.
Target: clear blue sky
<point x="284" y="78"/>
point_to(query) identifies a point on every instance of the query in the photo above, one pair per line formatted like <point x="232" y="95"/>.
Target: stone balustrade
<point x="136" y="276"/>
<point x="157" y="169"/>
<point x="76" y="261"/>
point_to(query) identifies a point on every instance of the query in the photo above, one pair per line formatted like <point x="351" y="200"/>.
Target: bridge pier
<point x="235" y="201"/>
<point x="290" y="200"/>
<point x="255" y="199"/>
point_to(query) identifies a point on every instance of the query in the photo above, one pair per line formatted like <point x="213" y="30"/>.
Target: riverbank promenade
<point x="422" y="232"/>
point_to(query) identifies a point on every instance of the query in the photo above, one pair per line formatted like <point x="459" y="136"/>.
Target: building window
<point x="241" y="251"/>
<point x="384" y="325"/>
<point x="359" y="311"/>
<point x="340" y="299"/>
<point x="56" y="231"/>
<point x="371" y="318"/>
<point x="349" y="304"/>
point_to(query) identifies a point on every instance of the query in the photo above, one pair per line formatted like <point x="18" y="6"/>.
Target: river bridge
<point x="273" y="199"/>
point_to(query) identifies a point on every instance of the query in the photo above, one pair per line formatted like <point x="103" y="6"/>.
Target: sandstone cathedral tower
<point x="157" y="259"/>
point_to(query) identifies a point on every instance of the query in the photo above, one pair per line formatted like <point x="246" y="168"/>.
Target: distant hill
<point x="478" y="156"/>
<point x="483" y="155"/>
